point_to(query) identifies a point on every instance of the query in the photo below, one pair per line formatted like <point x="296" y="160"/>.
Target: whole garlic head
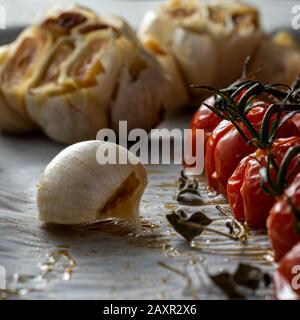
<point x="209" y="41"/>
<point x="76" y="189"/>
<point x="74" y="73"/>
<point x="280" y="58"/>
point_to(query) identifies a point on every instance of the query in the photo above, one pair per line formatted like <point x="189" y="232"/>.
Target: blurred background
<point x="23" y="12"/>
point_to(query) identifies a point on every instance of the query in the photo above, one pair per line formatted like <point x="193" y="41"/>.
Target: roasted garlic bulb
<point x="279" y="57"/>
<point x="75" y="73"/>
<point x="178" y="93"/>
<point x="78" y="187"/>
<point x="209" y="41"/>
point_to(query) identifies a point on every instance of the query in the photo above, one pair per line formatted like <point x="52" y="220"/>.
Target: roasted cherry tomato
<point x="296" y="120"/>
<point x="205" y="119"/>
<point x="282" y="221"/>
<point x="225" y="148"/>
<point x="287" y="276"/>
<point x="248" y="201"/>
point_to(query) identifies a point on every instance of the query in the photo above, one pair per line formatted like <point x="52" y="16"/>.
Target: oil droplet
<point x="58" y="265"/>
<point x="170" y="206"/>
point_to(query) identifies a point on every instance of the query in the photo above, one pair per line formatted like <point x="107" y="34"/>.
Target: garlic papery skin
<point x="76" y="189"/>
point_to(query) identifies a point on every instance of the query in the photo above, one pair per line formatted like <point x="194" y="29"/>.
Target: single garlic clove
<point x="134" y="102"/>
<point x="176" y="93"/>
<point x="76" y="189"/>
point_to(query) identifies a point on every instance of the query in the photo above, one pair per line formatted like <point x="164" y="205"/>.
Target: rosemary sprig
<point x="274" y="179"/>
<point x="236" y="110"/>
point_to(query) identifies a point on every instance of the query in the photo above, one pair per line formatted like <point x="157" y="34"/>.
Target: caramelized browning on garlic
<point x="87" y="64"/>
<point x="209" y="41"/>
<point x="53" y="67"/>
<point x="74" y="73"/>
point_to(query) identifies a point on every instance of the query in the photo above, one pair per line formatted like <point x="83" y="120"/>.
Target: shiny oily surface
<point x="107" y="261"/>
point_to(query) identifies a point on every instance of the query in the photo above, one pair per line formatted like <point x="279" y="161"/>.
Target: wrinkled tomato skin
<point x="234" y="185"/>
<point x="225" y="148"/>
<point x="231" y="149"/>
<point x="248" y="201"/>
<point x="256" y="203"/>
<point x="210" y="147"/>
<point x="285" y="275"/>
<point x="296" y="120"/>
<point x="205" y="119"/>
<point x="281" y="221"/>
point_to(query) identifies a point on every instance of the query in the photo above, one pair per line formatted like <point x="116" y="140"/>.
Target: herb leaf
<point x="248" y="276"/>
<point x="245" y="275"/>
<point x="225" y="282"/>
<point x="188" y="226"/>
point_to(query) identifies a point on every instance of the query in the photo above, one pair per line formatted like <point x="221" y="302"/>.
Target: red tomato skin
<point x="248" y="201"/>
<point x="210" y="147"/>
<point x="231" y="149"/>
<point x="234" y="184"/>
<point x="296" y="120"/>
<point x="284" y="276"/>
<point x="256" y="203"/>
<point x="225" y="148"/>
<point x="281" y="221"/>
<point x="205" y="119"/>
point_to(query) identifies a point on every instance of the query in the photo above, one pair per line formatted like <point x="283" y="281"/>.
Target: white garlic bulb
<point x="76" y="189"/>
<point x="75" y="73"/>
<point x="209" y="41"/>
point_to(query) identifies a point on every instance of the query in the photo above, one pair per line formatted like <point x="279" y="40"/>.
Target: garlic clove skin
<point x="176" y="93"/>
<point x="201" y="69"/>
<point x="134" y="101"/>
<point x="75" y="189"/>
